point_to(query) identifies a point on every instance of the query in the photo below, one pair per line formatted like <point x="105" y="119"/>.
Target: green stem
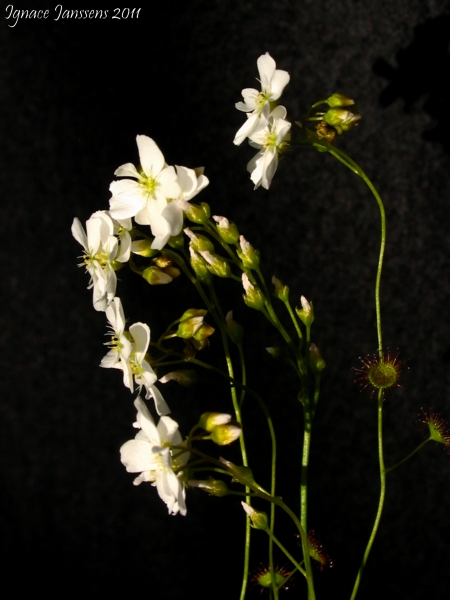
<point x="400" y="462"/>
<point x="289" y="556"/>
<point x="382" y="495"/>
<point x="305" y="463"/>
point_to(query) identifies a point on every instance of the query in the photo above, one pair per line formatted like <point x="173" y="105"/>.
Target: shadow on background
<point x="423" y="70"/>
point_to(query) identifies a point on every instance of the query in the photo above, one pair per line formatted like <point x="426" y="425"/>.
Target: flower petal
<point x="150" y="156"/>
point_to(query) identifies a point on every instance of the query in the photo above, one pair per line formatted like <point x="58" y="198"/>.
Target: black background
<point x="73" y="96"/>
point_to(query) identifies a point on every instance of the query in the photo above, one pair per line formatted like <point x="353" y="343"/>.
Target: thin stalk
<point x="382" y="495"/>
<point x="289" y="556"/>
<point x="400" y="462"/>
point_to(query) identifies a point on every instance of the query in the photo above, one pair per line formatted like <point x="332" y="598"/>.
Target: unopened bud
<point x="281" y="291"/>
<point x="143" y="248"/>
<point x="214" y="487"/>
<point x="189" y="327"/>
<point x="341" y="119"/>
<point x="176" y="241"/>
<point x="243" y="475"/>
<point x="253" y="296"/>
<point x="315" y="359"/>
<point x="339" y="100"/>
<point x="203" y="332"/>
<point x="199" y="266"/>
<point x="156" y="276"/>
<point x="199" y="242"/>
<point x="227" y="230"/>
<point x="185" y="377"/>
<point x="226" y="434"/>
<point x="248" y="254"/>
<point x="234" y="329"/>
<point x="216" y="265"/>
<point x="197" y="214"/>
<point x="275" y="351"/>
<point x="258" y="518"/>
<point x="306" y="312"/>
<point x="209" y="420"/>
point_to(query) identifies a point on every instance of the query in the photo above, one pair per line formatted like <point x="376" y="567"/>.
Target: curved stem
<point x="400" y="462"/>
<point x="289" y="556"/>
<point x="382" y="495"/>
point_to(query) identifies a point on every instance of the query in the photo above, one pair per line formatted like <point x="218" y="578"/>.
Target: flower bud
<point x="156" y="276"/>
<point x="185" y="377"/>
<point x="253" y="296"/>
<point x="339" y="100"/>
<point x="227" y="230"/>
<point x="215" y="265"/>
<point x="177" y="241"/>
<point x="243" y="475"/>
<point x="315" y="359"/>
<point x="341" y="119"/>
<point x="248" y="255"/>
<point x="226" y="434"/>
<point x="143" y="248"/>
<point x="275" y="351"/>
<point x="281" y="291"/>
<point x="188" y="327"/>
<point x="306" y="313"/>
<point x="258" y="518"/>
<point x="199" y="267"/>
<point x="197" y="214"/>
<point x="199" y="242"/>
<point x="214" y="487"/>
<point x="234" y="329"/>
<point x="209" y="420"/>
<point x="203" y="332"/>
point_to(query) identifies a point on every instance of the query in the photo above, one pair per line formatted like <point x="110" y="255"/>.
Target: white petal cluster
<point x="265" y="129"/>
<point x="128" y="355"/>
<point x="100" y="250"/>
<point x="256" y="104"/>
<point x="263" y="165"/>
<point x="155" y="194"/>
<point x="150" y="455"/>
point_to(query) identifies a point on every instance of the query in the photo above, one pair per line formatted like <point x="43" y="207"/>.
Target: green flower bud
<point x="176" y="241"/>
<point x="315" y="359"/>
<point x="339" y="100"/>
<point x="199" y="267"/>
<point x="258" y="518"/>
<point x="199" y="242"/>
<point x="198" y="214"/>
<point x="203" y="332"/>
<point x="234" y="329"/>
<point x="243" y="475"/>
<point x="226" y="434"/>
<point x="189" y="327"/>
<point x="248" y="254"/>
<point x="143" y="248"/>
<point x="227" y="230"/>
<point x="341" y="119"/>
<point x="185" y="377"/>
<point x="214" y="487"/>
<point x="216" y="265"/>
<point x="306" y="313"/>
<point x="275" y="351"/>
<point x="193" y="312"/>
<point x="281" y="291"/>
<point x="253" y="296"/>
<point x="210" y="420"/>
<point x="156" y="276"/>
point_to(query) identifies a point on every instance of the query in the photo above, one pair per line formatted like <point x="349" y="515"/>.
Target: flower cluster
<point x="151" y="454"/>
<point x="266" y="127"/>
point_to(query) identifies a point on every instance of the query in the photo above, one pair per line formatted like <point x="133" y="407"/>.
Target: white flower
<point x="130" y="357"/>
<point x="263" y="166"/>
<point x="191" y="182"/>
<point x="100" y="247"/>
<point x="256" y="104"/>
<point x="122" y="228"/>
<point x="121" y="346"/>
<point x="150" y="455"/>
<point x="146" y="195"/>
